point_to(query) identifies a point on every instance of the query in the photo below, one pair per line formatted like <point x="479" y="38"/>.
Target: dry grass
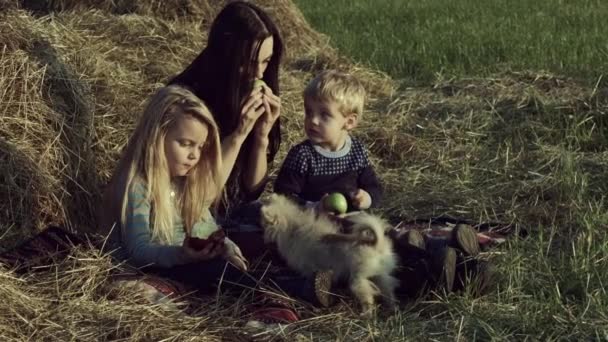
<point x="524" y="148"/>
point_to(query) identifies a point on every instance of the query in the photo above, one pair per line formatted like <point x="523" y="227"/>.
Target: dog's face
<point x="367" y="228"/>
<point x="272" y="217"/>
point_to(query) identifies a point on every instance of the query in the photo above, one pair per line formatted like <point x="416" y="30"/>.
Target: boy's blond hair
<point x="340" y="87"/>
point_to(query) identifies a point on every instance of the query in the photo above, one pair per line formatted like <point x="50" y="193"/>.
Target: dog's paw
<point x="368" y="310"/>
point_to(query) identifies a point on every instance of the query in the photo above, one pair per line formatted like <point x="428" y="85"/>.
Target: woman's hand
<point x="212" y="250"/>
<point x="251" y="112"/>
<point x="272" y="111"/>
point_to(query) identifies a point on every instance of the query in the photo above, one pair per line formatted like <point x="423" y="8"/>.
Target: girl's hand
<point x="272" y="111"/>
<point x="233" y="254"/>
<point x="361" y="199"/>
<point x="212" y="250"/>
<point x="251" y="112"/>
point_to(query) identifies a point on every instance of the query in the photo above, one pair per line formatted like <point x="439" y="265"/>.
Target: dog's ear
<point x="365" y="236"/>
<point x="270" y="199"/>
<point x="266" y="217"/>
<point x="263" y="210"/>
<point x="335" y="238"/>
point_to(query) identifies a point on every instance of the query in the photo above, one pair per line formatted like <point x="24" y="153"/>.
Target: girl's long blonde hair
<point x="144" y="160"/>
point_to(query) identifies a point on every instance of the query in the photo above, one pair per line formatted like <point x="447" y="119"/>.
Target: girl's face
<point x="263" y="57"/>
<point x="183" y="144"/>
<point x="325" y="124"/>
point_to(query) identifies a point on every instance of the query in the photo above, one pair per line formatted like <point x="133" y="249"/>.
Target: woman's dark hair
<point x="222" y="74"/>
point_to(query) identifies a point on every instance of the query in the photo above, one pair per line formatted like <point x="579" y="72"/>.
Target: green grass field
<point x="415" y="40"/>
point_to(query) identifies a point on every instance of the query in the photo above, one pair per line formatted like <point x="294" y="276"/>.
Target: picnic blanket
<point x="56" y="243"/>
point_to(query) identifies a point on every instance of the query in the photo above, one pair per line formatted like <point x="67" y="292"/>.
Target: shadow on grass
<point x="20" y="188"/>
<point x="70" y="96"/>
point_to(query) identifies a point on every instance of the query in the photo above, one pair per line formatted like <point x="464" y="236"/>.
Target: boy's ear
<point x="352" y="120"/>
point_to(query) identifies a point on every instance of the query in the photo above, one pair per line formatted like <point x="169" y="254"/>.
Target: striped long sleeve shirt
<point x="136" y="244"/>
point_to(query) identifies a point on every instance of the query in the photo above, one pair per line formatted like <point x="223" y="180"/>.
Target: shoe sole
<point x="414" y="238"/>
<point x="448" y="271"/>
<point x="410" y="238"/>
<point x="323" y="283"/>
<point x="466" y="240"/>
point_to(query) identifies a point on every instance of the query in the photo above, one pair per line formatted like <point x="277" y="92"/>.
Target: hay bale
<point x="28" y="145"/>
<point x="186" y="9"/>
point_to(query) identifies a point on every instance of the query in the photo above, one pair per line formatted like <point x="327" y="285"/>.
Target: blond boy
<point x="330" y="159"/>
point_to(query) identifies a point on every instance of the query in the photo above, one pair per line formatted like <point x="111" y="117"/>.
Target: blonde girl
<point x="165" y="182"/>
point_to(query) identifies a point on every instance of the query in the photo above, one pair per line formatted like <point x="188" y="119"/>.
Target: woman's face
<point x="263" y="58"/>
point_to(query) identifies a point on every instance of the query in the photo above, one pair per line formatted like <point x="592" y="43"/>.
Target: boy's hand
<point x="361" y="199"/>
<point x="319" y="208"/>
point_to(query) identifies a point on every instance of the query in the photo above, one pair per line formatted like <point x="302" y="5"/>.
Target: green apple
<point x="259" y="83"/>
<point x="335" y="202"/>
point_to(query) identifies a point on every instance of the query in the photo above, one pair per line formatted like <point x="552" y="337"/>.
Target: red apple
<point x="198" y="243"/>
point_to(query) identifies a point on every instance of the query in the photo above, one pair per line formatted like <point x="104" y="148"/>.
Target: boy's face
<point x="325" y="124"/>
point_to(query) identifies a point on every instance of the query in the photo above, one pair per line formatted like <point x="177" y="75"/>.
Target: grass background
<point x="415" y="40"/>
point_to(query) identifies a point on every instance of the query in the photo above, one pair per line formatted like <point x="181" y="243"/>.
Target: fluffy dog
<point x="356" y="249"/>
